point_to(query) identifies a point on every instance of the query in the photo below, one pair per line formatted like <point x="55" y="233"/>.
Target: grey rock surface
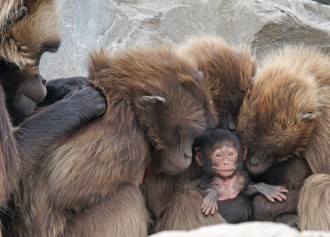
<point x="114" y="24"/>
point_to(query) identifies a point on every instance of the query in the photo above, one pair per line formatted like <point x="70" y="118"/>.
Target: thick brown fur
<point x="286" y="111"/>
<point x="313" y="205"/>
<point x="175" y="201"/>
<point x="228" y="71"/>
<point x="86" y="181"/>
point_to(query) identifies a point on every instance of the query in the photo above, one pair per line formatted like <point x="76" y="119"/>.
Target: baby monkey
<point x="220" y="153"/>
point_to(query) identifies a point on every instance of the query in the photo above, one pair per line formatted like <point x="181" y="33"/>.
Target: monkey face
<point x="31" y="35"/>
<point x="224" y="161"/>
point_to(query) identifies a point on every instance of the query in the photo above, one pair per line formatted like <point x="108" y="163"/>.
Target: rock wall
<point x="264" y="24"/>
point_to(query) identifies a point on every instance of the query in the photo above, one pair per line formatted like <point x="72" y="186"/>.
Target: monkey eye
<point x="231" y="153"/>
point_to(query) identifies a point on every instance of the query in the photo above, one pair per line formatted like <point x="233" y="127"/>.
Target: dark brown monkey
<point x="286" y="114"/>
<point x="27" y="29"/>
<point x="228" y="72"/>
<point x="313" y="205"/>
<point x="224" y="178"/>
<point x="87" y="185"/>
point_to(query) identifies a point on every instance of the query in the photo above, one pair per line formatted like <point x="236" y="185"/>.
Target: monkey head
<point x="34" y="31"/>
<point x="219" y="152"/>
<point x="278" y="114"/>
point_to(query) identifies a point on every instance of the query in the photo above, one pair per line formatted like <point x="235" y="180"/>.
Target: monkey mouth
<point x="226" y="170"/>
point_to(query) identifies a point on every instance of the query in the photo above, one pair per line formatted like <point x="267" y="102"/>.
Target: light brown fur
<point x="313" y="205"/>
<point x="85" y="182"/>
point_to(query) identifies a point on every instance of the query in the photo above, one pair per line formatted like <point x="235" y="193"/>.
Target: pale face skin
<point x="224" y="161"/>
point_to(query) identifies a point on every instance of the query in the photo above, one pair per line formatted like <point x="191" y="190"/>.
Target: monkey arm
<point x="271" y="192"/>
<point x="210" y="202"/>
<point x="40" y="131"/>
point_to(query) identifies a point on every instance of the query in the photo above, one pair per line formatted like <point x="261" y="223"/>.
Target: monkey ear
<point x="153" y="99"/>
<point x="200" y="76"/>
<point x="245" y="151"/>
<point x="146" y="110"/>
<point x="306" y="116"/>
<point x="198" y="156"/>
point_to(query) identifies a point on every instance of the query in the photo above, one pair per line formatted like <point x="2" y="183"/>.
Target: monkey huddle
<point x="132" y="171"/>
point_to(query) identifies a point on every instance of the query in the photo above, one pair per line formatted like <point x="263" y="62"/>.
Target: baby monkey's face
<point x="224" y="160"/>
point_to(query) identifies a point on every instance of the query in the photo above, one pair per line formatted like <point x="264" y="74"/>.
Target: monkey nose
<point x="187" y="153"/>
<point x="187" y="156"/>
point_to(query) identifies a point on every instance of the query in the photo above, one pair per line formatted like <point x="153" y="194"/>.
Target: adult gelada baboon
<point x="286" y="113"/>
<point x="313" y="205"/>
<point x="87" y="184"/>
<point x="174" y="202"/>
<point x="28" y="29"/>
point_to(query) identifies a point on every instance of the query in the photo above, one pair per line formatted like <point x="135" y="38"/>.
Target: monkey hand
<point x="89" y="100"/>
<point x="210" y="202"/>
<point x="272" y="192"/>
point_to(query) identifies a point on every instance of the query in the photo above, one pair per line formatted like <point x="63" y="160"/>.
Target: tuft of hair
<point x="10" y="11"/>
<point x="313" y="204"/>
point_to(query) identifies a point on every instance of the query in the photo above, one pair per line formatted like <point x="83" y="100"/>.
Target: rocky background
<point x="264" y="24"/>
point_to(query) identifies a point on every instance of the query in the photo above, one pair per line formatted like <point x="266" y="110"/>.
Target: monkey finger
<point x="270" y="198"/>
<point x="282" y="196"/>
<point x="278" y="198"/>
<point x="282" y="189"/>
<point x="204" y="208"/>
<point x="213" y="210"/>
<point x="208" y="211"/>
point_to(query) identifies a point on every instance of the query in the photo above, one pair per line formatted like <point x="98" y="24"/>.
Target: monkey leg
<point x="184" y="212"/>
<point x="122" y="215"/>
<point x="264" y="210"/>
<point x="235" y="210"/>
